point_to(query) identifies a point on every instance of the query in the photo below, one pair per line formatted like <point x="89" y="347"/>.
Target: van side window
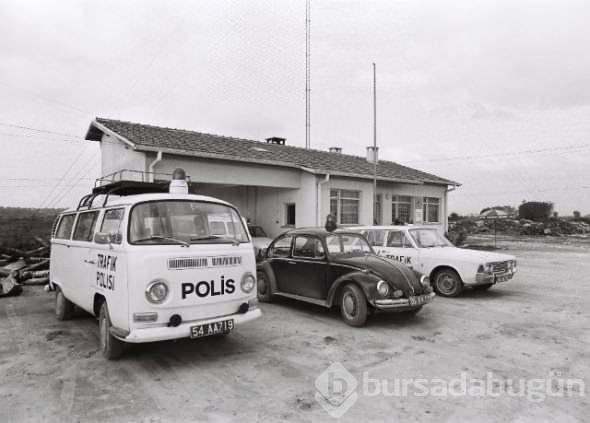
<point x="111" y="222"/>
<point x="85" y="226"/>
<point x="282" y="247"/>
<point x="64" y="230"/>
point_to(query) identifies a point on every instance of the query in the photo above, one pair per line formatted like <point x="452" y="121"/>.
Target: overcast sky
<point x="493" y="94"/>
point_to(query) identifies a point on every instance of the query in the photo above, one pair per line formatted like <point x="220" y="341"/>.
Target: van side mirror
<point x="108" y="238"/>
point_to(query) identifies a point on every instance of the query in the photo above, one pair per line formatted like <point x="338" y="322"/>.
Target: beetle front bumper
<point x="163" y="333"/>
<point x="403" y="303"/>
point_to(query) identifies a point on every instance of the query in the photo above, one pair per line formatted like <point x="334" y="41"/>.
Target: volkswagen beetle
<point x="339" y="269"/>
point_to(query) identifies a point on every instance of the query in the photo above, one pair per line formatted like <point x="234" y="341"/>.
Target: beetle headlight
<point x="383" y="288"/>
<point x="157" y="291"/>
<point x="248" y="283"/>
<point x="425" y="281"/>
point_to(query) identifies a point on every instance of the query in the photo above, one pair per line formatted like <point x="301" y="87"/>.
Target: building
<point x="273" y="184"/>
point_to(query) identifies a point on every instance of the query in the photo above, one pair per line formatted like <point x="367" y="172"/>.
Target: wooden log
<point x="42" y="241"/>
<point x="37" y="281"/>
<point x="37" y="266"/>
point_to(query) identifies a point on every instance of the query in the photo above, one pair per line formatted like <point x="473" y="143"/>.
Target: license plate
<point x="503" y="278"/>
<point x="419" y="300"/>
<point x="214" y="328"/>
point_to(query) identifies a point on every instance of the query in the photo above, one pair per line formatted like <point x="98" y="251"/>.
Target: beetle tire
<point x="110" y="347"/>
<point x="64" y="308"/>
<point x="263" y="284"/>
<point x="448" y="283"/>
<point x="353" y="306"/>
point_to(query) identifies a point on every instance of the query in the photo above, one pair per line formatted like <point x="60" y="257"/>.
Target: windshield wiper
<point x="164" y="238"/>
<point x="234" y="241"/>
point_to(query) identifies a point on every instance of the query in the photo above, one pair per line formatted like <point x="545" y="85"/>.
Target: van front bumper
<point x="163" y="333"/>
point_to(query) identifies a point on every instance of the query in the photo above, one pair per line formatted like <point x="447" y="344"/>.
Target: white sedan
<point x="450" y="268"/>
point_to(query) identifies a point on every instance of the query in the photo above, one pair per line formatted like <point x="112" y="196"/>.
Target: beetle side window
<point x="85" y="226"/>
<point x="308" y="247"/>
<point x="398" y="239"/>
<point x="64" y="230"/>
<point x="111" y="222"/>
<point x="281" y="248"/>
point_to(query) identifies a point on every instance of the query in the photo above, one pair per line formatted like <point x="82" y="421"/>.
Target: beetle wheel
<point x="353" y="305"/>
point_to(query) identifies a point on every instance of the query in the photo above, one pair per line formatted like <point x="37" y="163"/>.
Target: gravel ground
<point x="536" y="326"/>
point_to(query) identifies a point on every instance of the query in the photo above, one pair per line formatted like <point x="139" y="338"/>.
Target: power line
<point x="46" y="99"/>
<point x="29" y="128"/>
<point x="77" y="176"/>
<point x="507" y="154"/>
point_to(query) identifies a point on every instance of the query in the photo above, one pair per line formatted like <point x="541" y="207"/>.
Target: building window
<point x="431" y="209"/>
<point x="290" y="214"/>
<point x="344" y="205"/>
<point x="401" y="209"/>
<point x="378" y="210"/>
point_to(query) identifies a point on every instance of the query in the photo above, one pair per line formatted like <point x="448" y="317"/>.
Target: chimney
<point x="372" y="154"/>
<point x="337" y="150"/>
<point x="276" y="140"/>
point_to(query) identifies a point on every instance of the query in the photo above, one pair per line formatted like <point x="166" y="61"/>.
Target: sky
<point x="492" y="94"/>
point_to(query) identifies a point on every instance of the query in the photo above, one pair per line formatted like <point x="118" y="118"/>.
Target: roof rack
<point x="126" y="182"/>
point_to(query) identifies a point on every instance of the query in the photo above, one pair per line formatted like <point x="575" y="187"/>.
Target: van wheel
<point x="448" y="283"/>
<point x="353" y="305"/>
<point x="263" y="287"/>
<point x="64" y="308"/>
<point x="110" y="347"/>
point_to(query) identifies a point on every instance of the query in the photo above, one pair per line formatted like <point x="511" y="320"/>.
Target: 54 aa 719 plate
<point x="214" y="328"/>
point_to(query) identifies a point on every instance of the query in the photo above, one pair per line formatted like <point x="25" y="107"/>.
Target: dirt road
<point x="537" y="326"/>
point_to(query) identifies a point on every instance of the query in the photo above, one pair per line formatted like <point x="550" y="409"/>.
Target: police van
<point x="144" y="258"/>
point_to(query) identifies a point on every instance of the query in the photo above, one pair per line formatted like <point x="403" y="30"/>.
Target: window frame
<point x="396" y="202"/>
<point x="272" y="247"/>
<point x="93" y="228"/>
<point x="119" y="239"/>
<point x="308" y="236"/>
<point x="61" y="218"/>
<point x="339" y="198"/>
<point x="428" y="201"/>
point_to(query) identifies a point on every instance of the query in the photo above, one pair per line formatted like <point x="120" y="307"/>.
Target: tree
<point x="535" y="210"/>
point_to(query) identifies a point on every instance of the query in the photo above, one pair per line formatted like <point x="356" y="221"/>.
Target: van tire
<point x="263" y="287"/>
<point x="64" y="308"/>
<point x="353" y="306"/>
<point x="111" y="348"/>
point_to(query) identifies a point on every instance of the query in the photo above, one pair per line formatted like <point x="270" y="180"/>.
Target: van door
<point x="109" y="270"/>
<point x="81" y="262"/>
<point x="60" y="254"/>
<point x="399" y="247"/>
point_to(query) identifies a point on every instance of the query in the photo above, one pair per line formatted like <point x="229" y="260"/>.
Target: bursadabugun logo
<point x="336" y="390"/>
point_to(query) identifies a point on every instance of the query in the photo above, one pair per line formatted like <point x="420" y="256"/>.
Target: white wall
<point x="116" y="156"/>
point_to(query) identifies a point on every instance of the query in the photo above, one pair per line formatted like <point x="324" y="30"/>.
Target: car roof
<point x="142" y="198"/>
<point x="317" y="231"/>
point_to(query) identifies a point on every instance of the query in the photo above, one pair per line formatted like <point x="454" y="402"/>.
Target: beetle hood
<point x="399" y="275"/>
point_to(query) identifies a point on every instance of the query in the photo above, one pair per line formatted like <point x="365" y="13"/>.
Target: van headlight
<point x="157" y="291"/>
<point x="248" y="283"/>
<point x="383" y="288"/>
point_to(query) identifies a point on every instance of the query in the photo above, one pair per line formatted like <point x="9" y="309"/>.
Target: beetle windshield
<point x="185" y="222"/>
<point x="257" y="231"/>
<point x="347" y="244"/>
<point x="427" y="238"/>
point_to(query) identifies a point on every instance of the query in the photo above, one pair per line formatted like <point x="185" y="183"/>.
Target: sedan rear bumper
<point x="403" y="303"/>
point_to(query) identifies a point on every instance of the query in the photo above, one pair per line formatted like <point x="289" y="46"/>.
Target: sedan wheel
<point x="353" y="306"/>
<point x="448" y="283"/>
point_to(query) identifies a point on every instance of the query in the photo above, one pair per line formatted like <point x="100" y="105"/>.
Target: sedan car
<point x="339" y="269"/>
<point x="450" y="269"/>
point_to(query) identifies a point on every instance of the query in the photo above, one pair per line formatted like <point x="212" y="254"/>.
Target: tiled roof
<point x="183" y="142"/>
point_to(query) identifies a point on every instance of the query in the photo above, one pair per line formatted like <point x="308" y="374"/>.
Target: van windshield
<point x="185" y="222"/>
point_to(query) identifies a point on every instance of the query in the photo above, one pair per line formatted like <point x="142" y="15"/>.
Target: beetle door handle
<point x="291" y="262"/>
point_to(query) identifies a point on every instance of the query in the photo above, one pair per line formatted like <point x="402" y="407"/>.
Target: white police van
<point x="146" y="262"/>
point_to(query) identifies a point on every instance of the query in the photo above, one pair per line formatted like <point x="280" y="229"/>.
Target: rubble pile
<point x="19" y="268"/>
<point x="507" y="226"/>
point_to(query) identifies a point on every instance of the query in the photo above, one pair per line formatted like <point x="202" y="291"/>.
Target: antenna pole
<point x="374" y="144"/>
<point x="307" y="74"/>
